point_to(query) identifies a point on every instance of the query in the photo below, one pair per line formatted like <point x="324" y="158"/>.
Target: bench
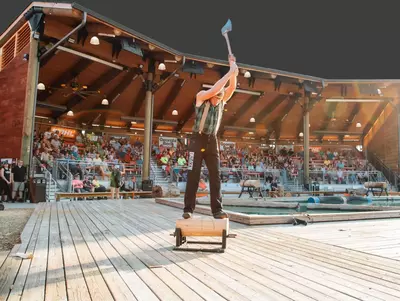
<point x="125" y="194"/>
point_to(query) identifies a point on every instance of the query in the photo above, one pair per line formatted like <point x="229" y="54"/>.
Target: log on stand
<point x="202" y="226"/>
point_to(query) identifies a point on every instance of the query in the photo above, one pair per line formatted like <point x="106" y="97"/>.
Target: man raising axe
<point x="204" y="144"/>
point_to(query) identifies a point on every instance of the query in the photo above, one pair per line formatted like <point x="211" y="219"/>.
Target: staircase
<point x="158" y="174"/>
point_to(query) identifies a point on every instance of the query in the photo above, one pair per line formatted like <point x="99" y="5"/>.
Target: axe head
<point x="227" y="27"/>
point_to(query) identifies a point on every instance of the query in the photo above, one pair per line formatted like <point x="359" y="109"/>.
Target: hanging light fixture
<point x="252" y="119"/>
<point x="358" y="125"/>
<point x="41" y="86"/>
<point x="95" y="41"/>
<point x="70" y="113"/>
<point x="301" y="134"/>
<point x="247" y="74"/>
<point x="161" y="67"/>
<point x="175" y="112"/>
<point x="104" y="102"/>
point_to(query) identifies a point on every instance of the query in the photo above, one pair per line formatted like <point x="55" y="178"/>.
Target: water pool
<point x="277" y="211"/>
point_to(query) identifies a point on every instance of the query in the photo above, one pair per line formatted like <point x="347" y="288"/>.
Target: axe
<point x="225" y="29"/>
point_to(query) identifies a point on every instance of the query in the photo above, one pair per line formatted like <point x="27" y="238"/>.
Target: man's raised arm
<point x="218" y="86"/>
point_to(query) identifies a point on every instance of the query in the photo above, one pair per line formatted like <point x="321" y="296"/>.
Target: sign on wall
<point x="168" y="142"/>
<point x="67" y="133"/>
<point x="227" y="145"/>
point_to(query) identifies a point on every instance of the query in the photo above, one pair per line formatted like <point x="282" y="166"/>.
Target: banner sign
<point x="168" y="142"/>
<point x="227" y="145"/>
<point x="67" y="133"/>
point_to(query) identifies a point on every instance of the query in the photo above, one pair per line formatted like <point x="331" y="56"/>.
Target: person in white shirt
<point x="340" y="176"/>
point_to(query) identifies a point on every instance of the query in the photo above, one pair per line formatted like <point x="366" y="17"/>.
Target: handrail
<point x="378" y="163"/>
<point x="51" y="184"/>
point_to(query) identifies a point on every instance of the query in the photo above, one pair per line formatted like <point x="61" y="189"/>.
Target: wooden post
<point x="306" y="135"/>
<point x="148" y="122"/>
<point x="30" y="102"/>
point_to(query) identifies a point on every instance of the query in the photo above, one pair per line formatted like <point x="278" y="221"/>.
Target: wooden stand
<point x="202" y="226"/>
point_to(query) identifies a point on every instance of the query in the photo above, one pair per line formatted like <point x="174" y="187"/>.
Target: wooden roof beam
<point x="185" y="117"/>
<point x="300" y="125"/>
<point x="350" y="120"/>
<point x="267" y="110"/>
<point x="374" y="117"/>
<point x="331" y="110"/>
<point x="96" y="85"/>
<point x="66" y="77"/>
<point x="137" y="104"/>
<point x="125" y="82"/>
<point x="247" y="105"/>
<point x="277" y="123"/>
<point x="173" y="94"/>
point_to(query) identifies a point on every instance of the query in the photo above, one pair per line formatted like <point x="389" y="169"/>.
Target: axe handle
<point x="228" y="43"/>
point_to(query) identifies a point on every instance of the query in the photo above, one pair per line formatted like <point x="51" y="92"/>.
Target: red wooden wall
<point x="13" y="79"/>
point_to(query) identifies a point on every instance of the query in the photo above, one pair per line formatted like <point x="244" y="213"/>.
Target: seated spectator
<point x="77" y="184"/>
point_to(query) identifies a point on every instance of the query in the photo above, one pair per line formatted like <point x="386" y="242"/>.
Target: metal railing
<point x="51" y="186"/>
<point x="347" y="177"/>
<point x="228" y="175"/>
<point x="391" y="175"/>
<point x="85" y="168"/>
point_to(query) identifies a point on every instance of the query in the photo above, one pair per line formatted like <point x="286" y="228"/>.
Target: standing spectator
<point x="115" y="182"/>
<point x="18" y="178"/>
<point x="5" y="181"/>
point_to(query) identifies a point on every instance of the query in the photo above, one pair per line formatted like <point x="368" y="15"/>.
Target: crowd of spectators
<point x="332" y="166"/>
<point x="87" y="158"/>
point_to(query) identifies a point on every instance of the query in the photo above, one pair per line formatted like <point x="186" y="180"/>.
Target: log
<point x="250" y="183"/>
<point x="382" y="185"/>
<point x="203" y="226"/>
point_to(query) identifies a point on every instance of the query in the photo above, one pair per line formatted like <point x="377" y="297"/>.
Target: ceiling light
<point x="151" y="47"/>
<point x="94" y="41"/>
<point x="252" y="119"/>
<point x="273" y="76"/>
<point x="301" y="134"/>
<point x="251" y="133"/>
<point x="41" y="86"/>
<point x="247" y="74"/>
<point x="175" y="112"/>
<point x="104" y="102"/>
<point x="161" y="67"/>
<point x="83" y="132"/>
<point x="352" y="100"/>
<point x="210" y="65"/>
<point x="133" y="122"/>
<point x="358" y="125"/>
<point x="70" y="113"/>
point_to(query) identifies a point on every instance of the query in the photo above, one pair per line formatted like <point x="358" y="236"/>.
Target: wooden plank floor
<point x="379" y="237"/>
<point x="122" y="250"/>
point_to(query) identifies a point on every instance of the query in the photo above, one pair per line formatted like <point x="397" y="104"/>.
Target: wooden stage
<point x="122" y="250"/>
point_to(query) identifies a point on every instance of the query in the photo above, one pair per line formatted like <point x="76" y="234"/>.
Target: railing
<point x="391" y="175"/>
<point x="228" y="175"/>
<point x="99" y="169"/>
<point x="51" y="186"/>
<point x="347" y="177"/>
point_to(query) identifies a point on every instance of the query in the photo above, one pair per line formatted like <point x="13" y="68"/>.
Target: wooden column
<point x="397" y="106"/>
<point x="30" y="102"/>
<point x="148" y="122"/>
<point x="306" y="135"/>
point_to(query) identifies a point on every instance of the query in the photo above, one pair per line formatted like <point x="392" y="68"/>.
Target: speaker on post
<point x="147" y="185"/>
